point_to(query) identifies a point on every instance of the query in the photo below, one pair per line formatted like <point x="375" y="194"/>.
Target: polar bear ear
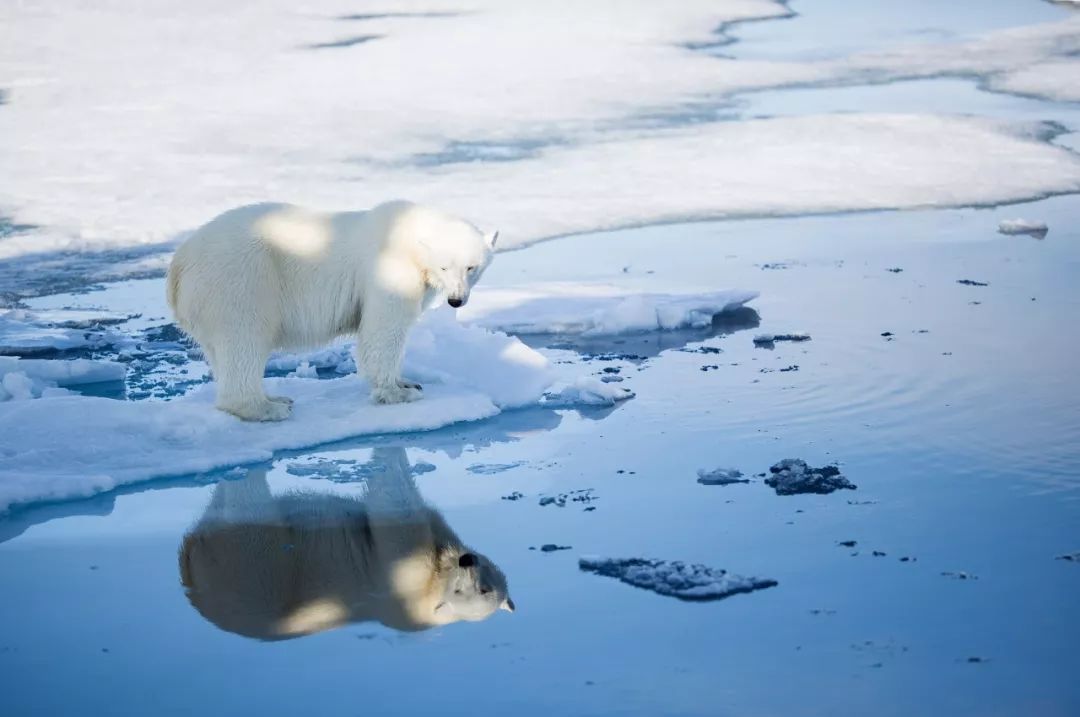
<point x="491" y="238"/>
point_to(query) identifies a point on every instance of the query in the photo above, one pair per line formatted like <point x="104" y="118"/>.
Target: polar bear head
<point x="474" y="588"/>
<point x="450" y="253"/>
<point x="456" y="259"/>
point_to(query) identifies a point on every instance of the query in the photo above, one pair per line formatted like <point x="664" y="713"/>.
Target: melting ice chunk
<point x="1014" y="227"/>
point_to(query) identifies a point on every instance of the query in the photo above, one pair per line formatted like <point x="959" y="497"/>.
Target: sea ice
<point x="106" y="145"/>
<point x="674" y="578"/>
<point x="74" y="372"/>
<point x="81" y="445"/>
<point x="43" y="333"/>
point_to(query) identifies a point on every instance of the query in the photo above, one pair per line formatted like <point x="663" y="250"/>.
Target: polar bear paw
<point x="399" y="392"/>
<point x="281" y="399"/>
<point x="266" y="409"/>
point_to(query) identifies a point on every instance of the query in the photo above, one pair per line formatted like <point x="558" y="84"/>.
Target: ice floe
<point x="594" y="309"/>
<point x="33" y="378"/>
<point x="43" y="333"/>
<point x="81" y="445"/>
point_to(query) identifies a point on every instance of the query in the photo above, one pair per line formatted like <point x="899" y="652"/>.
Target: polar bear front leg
<point x="380" y="348"/>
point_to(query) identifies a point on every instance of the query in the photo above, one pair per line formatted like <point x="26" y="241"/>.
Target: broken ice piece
<point x="674" y="578"/>
<point x="720" y="476"/>
<point x="770" y="339"/>
<point x="792" y="476"/>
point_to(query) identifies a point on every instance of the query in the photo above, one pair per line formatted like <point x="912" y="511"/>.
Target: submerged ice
<point x="674" y="578"/>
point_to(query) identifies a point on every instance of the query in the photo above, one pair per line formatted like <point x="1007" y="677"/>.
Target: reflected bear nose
<point x="454" y="302"/>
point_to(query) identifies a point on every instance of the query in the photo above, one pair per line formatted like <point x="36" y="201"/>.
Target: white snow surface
<point x="1058" y="80"/>
<point x="128" y="124"/>
<point x="73" y="446"/>
<point x="594" y="309"/>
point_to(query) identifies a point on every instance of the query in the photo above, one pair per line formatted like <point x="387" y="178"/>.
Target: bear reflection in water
<point x="278" y="567"/>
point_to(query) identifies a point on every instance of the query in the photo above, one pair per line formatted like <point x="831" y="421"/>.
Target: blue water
<point x="961" y="430"/>
<point x="964" y="442"/>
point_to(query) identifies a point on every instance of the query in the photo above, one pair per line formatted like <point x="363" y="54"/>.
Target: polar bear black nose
<point x="467" y="560"/>
<point x="454" y="302"/>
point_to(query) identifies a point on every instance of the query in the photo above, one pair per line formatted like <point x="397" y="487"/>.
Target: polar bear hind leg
<point x="238" y="366"/>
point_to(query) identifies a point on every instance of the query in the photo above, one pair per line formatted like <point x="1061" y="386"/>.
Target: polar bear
<point x="277" y="276"/>
<point x="275" y="567"/>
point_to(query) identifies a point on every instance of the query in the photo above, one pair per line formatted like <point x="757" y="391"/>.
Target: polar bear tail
<point x="172" y="288"/>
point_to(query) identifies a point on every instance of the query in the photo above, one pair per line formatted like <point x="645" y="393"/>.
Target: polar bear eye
<point x="472" y="268"/>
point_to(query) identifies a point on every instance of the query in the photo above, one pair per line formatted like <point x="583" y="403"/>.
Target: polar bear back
<point x="299" y="277"/>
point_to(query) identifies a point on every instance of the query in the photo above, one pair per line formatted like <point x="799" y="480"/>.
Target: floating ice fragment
<point x="792" y="476"/>
<point x="492" y="468"/>
<point x="1018" y="227"/>
<point x="770" y="339"/>
<point x="674" y="578"/>
<point x="721" y="476"/>
<point x="587" y="392"/>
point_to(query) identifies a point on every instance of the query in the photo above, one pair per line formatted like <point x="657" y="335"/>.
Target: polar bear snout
<point x="455" y="301"/>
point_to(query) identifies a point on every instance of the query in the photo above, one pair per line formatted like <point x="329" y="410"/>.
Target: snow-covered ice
<point x="674" y="578"/>
<point x="594" y="309"/>
<point x="81" y="445"/>
<point x="1013" y="227"/>
<point x="118" y="142"/>
<point x="720" y="476"/>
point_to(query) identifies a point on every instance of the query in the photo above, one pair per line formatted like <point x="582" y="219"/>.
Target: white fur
<point x="277" y="276"/>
